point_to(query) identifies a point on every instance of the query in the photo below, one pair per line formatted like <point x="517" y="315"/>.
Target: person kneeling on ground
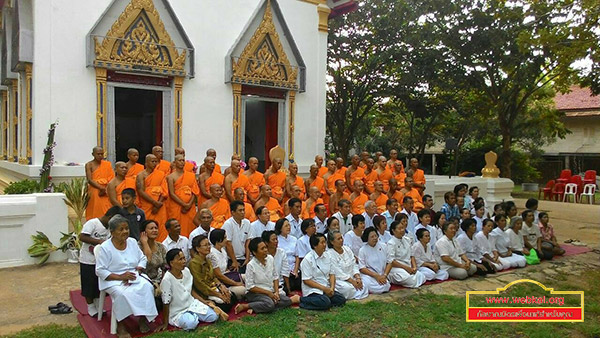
<point x="372" y="263"/>
<point x="502" y="244"/>
<point x="347" y="276"/>
<point x="318" y="278"/>
<point x="182" y="306"/>
<point x="399" y="255"/>
<point x="450" y="256"/>
<point x="467" y="244"/>
<point x="423" y="254"/>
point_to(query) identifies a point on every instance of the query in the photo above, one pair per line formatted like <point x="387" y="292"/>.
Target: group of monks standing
<point x="168" y="190"/>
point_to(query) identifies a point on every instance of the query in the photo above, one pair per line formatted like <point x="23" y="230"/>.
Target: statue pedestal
<point x="494" y="190"/>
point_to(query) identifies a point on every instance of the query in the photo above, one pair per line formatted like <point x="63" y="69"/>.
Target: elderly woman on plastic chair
<point x="119" y="266"/>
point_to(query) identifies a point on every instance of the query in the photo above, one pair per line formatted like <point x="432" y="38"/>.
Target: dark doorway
<point x="138" y="121"/>
<point x="261" y="131"/>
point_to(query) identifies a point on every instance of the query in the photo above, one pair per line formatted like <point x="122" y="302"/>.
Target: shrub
<point x="22" y="187"/>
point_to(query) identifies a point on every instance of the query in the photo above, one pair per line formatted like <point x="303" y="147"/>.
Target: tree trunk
<point x="506" y="156"/>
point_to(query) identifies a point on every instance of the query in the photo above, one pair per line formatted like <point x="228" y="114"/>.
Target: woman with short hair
<point x="347" y="276"/>
<point x="450" y="255"/>
<point x="399" y="256"/>
<point x="372" y="263"/>
<point x="424" y="257"/>
<point x="288" y="242"/>
<point x="380" y="224"/>
<point x="155" y="251"/>
<point x="502" y="243"/>
<point x="218" y="259"/>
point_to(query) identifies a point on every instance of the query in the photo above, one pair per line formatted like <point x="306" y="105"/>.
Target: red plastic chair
<point x="577" y="180"/>
<point x="547" y="190"/>
<point x="565" y="175"/>
<point x="558" y="191"/>
<point x="590" y="177"/>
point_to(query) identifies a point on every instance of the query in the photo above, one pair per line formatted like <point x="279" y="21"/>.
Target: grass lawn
<point x="519" y="193"/>
<point x="418" y="315"/>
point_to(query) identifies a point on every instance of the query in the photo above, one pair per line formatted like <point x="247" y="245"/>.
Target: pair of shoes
<point x="59" y="304"/>
<point x="60" y="309"/>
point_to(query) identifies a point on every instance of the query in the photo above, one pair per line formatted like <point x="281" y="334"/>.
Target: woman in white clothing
<point x="218" y="258"/>
<point x="450" y="255"/>
<point x="280" y="260"/>
<point x="380" y="224"/>
<point x="119" y="265"/>
<point x="424" y="217"/>
<point x="502" y="244"/>
<point x="516" y="237"/>
<point x="399" y="255"/>
<point x="467" y="244"/>
<point x="288" y="243"/>
<point x="484" y="245"/>
<point x="347" y="277"/>
<point x="353" y="238"/>
<point x="182" y="306"/>
<point x="423" y="254"/>
<point x="372" y="263"/>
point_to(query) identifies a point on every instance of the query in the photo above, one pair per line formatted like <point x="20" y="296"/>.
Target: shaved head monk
<point x="321" y="169"/>
<point x="235" y="180"/>
<point x="358" y="198"/>
<point x="330" y="177"/>
<point x="315" y="181"/>
<point x="208" y="177"/>
<point x="237" y="158"/>
<point x="189" y="166"/>
<point x="276" y="179"/>
<point x="340" y="194"/>
<point x="418" y="175"/>
<point x="152" y="190"/>
<point x="218" y="206"/>
<point x="256" y="180"/>
<point x="213" y="153"/>
<point x="270" y="203"/>
<point x="370" y="176"/>
<point x="354" y="172"/>
<point x="379" y="196"/>
<point x="119" y="183"/>
<point x="340" y="168"/>
<point x="183" y="192"/>
<point x="395" y="190"/>
<point x="384" y="174"/>
<point x="410" y="191"/>
<point x="393" y="159"/>
<point x="164" y="166"/>
<point x="133" y="167"/>
<point x="399" y="173"/>
<point x="239" y="194"/>
<point x="98" y="173"/>
<point x="308" y="208"/>
<point x="363" y="159"/>
<point x="293" y="179"/>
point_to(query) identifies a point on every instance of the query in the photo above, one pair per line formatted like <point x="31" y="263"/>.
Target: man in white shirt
<point x="262" y="224"/>
<point x="392" y="209"/>
<point x="203" y="220"/>
<point x="295" y="205"/>
<point x="344" y="216"/>
<point x="370" y="213"/>
<point x="320" y="217"/>
<point x="237" y="229"/>
<point x="413" y="220"/>
<point x="175" y="240"/>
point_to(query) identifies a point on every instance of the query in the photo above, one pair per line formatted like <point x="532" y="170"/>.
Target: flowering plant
<point x="243" y="165"/>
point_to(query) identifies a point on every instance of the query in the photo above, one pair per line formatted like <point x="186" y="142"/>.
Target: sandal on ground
<point x="568" y="241"/>
<point x="61" y="310"/>
<point x="59" y="304"/>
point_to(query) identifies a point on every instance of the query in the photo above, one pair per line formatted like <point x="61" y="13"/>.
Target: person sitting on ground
<point x="372" y="263"/>
<point x="295" y="208"/>
<point x="467" y="244"/>
<point x="549" y="242"/>
<point x="392" y="210"/>
<point x="464" y="214"/>
<point x="424" y="223"/>
<point x="510" y="210"/>
<point x="119" y="265"/>
<point x="174" y="238"/>
<point x="320" y="217"/>
<point x="532" y="204"/>
<point x="516" y="237"/>
<point x="182" y="306"/>
<point x="423" y="254"/>
<point x="352" y="238"/>
<point x="205" y="282"/>
<point x="474" y="194"/>
<point x="450" y="255"/>
<point x="203" y="220"/>
<point x="332" y="224"/>
<point x="344" y="215"/>
<point x="287" y="242"/>
<point x="502" y="242"/>
<point x="450" y="208"/>
<point x="218" y="260"/>
<point x="155" y="251"/>
<point x="347" y="276"/>
<point x="280" y="260"/>
<point x="479" y="216"/>
<point x="428" y="204"/>
<point x="303" y="244"/>
<point x="498" y="210"/>
<point x="532" y="237"/>
<point x="318" y="278"/>
<point x="460" y="190"/>
<point x="263" y="223"/>
<point x="380" y="224"/>
<point x="262" y="282"/>
<point x="237" y="229"/>
<point x="404" y="269"/>
<point x="438" y="220"/>
<point x="484" y="245"/>
<point x="408" y="204"/>
<point x="370" y="213"/>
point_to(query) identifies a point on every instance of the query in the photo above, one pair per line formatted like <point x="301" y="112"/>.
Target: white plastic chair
<point x="589" y="191"/>
<point x="570" y="190"/>
<point x="113" y="319"/>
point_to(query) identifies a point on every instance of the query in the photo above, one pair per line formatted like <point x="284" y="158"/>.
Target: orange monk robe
<point x="98" y="205"/>
<point x="241" y="182"/>
<point x="256" y="180"/>
<point x="155" y="185"/>
<point x="358" y="174"/>
<point x="134" y="171"/>
<point x="127" y="183"/>
<point x="215" y="178"/>
<point x="221" y="212"/>
<point x="277" y="183"/>
<point x="164" y="166"/>
<point x="358" y="204"/>
<point x="370" y="180"/>
<point x="416" y="196"/>
<point x="218" y="168"/>
<point x="331" y="182"/>
<point x="400" y="179"/>
<point x="189" y="167"/>
<point x="398" y="196"/>
<point x="390" y="166"/>
<point x="319" y="182"/>
<point x="309" y="210"/>
<point x="419" y="177"/>
<point x="275" y="209"/>
<point x="380" y="201"/>
<point x="385" y="177"/>
<point x="341" y="172"/>
<point x="185" y="188"/>
<point x="322" y="171"/>
<point x="249" y="212"/>
<point x="300" y="183"/>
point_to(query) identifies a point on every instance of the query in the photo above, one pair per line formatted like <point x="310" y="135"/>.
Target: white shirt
<point x="178" y="294"/>
<point x="501" y="240"/>
<point x="373" y="258"/>
<point x="516" y="240"/>
<point x="316" y="268"/>
<point x="354" y="242"/>
<point x="257" y="228"/>
<point x="95" y="229"/>
<point x="295" y="225"/>
<point x="468" y="246"/>
<point x="111" y="260"/>
<point x="281" y="264"/>
<point x="422" y="254"/>
<point x="478" y="223"/>
<point x="345" y="224"/>
<point x="447" y="247"/>
<point x="368" y="219"/>
<point x="289" y="246"/>
<point x="532" y="232"/>
<point x="413" y="220"/>
<point x="302" y="246"/>
<point x="399" y="249"/>
<point x="237" y="234"/>
<point x="197" y="232"/>
<point x="218" y="258"/>
<point x="344" y="264"/>
<point x="383" y="239"/>
<point x="182" y="243"/>
<point x="259" y="275"/>
<point x="320" y="225"/>
<point x="389" y="218"/>
<point x="433" y="234"/>
<point x="484" y="245"/>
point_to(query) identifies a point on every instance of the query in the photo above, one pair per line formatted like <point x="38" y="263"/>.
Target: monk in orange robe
<point x="370" y="176"/>
<point x="208" y="177"/>
<point x="399" y="173"/>
<point x="234" y="157"/>
<point x="394" y="191"/>
<point x="276" y="179"/>
<point x="133" y="168"/>
<point x="412" y="192"/>
<point x="340" y="193"/>
<point x="315" y="181"/>
<point x="164" y="166"/>
<point x="270" y="203"/>
<point x="393" y="159"/>
<point x="98" y="173"/>
<point x="294" y="180"/>
<point x="239" y="194"/>
<point x="418" y="175"/>
<point x="364" y="159"/>
<point x="354" y="172"/>
<point x="152" y="192"/>
<point x="235" y="180"/>
<point x="218" y="206"/>
<point x="379" y="197"/>
<point x="183" y="191"/>
<point x="330" y="178"/>
<point x="189" y="166"/>
<point x="308" y="209"/>
<point x="340" y="168"/>
<point x="321" y="169"/>
<point x="384" y="174"/>
<point x="211" y="153"/>
<point x="256" y="180"/>
<point x="358" y="198"/>
<point x="119" y="183"/>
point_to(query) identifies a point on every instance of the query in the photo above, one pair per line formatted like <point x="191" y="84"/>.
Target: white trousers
<point x="134" y="299"/>
<point x="402" y="277"/>
<point x="431" y="275"/>
<point x="373" y="286"/>
<point x="514" y="261"/>
<point x="349" y="291"/>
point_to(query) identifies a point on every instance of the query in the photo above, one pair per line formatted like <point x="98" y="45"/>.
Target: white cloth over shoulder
<point x="354" y="242"/>
<point x="447" y="247"/>
<point x="345" y="267"/>
<point x="178" y="294"/>
<point x="374" y="259"/>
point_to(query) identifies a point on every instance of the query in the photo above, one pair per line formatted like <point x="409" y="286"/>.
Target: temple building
<point x="239" y="76"/>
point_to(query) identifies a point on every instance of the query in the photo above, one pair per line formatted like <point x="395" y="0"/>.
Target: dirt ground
<point x="26" y="292"/>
